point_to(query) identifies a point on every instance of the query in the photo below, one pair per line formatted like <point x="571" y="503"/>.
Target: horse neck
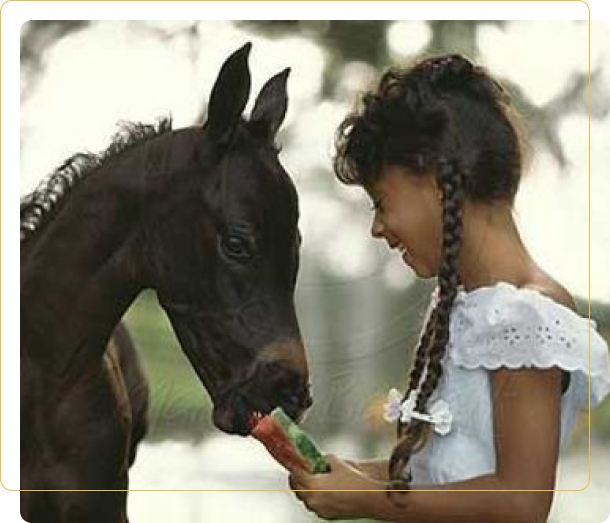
<point x="77" y="276"/>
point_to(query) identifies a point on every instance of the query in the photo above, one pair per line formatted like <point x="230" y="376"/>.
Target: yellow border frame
<point x="14" y="13"/>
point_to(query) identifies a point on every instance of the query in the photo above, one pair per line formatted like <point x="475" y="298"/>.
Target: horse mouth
<point x="236" y="415"/>
<point x="257" y="416"/>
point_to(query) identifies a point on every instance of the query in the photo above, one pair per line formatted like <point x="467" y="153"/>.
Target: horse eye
<point x="236" y="247"/>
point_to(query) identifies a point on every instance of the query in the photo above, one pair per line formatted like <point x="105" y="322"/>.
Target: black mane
<point x="43" y="202"/>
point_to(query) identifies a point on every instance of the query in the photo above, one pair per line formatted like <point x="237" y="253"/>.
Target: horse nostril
<point x="297" y="402"/>
<point x="301" y="399"/>
<point x="308" y="401"/>
<point x="294" y="399"/>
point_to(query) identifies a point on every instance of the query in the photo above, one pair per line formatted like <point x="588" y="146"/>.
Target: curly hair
<point x="445" y="116"/>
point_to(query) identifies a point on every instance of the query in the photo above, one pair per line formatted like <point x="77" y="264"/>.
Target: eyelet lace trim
<point x="507" y="326"/>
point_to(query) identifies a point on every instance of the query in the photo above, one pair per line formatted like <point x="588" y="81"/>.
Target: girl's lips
<point x="404" y="252"/>
<point x="407" y="258"/>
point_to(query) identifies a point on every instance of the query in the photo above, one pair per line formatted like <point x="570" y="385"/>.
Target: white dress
<point x="505" y="326"/>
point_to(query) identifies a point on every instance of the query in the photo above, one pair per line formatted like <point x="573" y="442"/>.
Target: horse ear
<point x="229" y="96"/>
<point x="271" y="104"/>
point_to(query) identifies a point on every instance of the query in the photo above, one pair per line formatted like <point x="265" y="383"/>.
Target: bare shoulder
<point x="553" y="290"/>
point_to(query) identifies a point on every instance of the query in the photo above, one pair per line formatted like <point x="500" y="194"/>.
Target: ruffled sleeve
<point x="514" y="327"/>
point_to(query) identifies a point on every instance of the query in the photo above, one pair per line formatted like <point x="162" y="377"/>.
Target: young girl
<point x="502" y="364"/>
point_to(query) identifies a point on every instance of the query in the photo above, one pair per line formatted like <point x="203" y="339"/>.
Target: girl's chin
<point x="424" y="275"/>
<point x="419" y="270"/>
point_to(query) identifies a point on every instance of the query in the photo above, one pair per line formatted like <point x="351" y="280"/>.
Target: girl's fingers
<point x="294" y="483"/>
<point x="331" y="459"/>
<point x="301" y="477"/>
<point x="295" y="487"/>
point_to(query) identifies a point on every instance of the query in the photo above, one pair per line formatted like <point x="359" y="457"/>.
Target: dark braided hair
<point x="447" y="117"/>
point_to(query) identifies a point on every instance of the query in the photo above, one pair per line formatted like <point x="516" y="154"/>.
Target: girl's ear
<point x="436" y="186"/>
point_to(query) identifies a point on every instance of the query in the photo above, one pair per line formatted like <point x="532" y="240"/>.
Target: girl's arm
<point x="374" y="468"/>
<point x="454" y="502"/>
<point x="526" y="426"/>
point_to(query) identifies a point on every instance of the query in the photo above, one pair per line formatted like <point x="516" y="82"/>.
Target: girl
<point x="502" y="364"/>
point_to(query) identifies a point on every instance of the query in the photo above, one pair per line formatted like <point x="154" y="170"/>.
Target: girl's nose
<point x="377" y="228"/>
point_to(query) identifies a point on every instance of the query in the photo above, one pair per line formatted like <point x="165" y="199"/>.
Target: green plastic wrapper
<point x="302" y="442"/>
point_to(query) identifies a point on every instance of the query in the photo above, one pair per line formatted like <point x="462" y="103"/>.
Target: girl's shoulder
<point x="503" y="325"/>
<point x="554" y="291"/>
<point x="503" y="304"/>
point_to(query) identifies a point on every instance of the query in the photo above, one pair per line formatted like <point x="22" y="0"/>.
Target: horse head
<point x="222" y="251"/>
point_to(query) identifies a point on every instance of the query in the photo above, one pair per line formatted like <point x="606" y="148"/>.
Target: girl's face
<point x="408" y="215"/>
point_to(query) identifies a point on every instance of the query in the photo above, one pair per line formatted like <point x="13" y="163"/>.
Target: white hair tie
<point x="440" y="414"/>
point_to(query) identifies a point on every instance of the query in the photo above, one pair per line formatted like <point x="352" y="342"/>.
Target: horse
<point x="205" y="216"/>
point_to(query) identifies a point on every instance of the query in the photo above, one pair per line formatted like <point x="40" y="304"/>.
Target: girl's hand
<point x="376" y="469"/>
<point x="331" y="504"/>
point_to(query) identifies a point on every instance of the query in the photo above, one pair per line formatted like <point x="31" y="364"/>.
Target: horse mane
<point x="43" y="203"/>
